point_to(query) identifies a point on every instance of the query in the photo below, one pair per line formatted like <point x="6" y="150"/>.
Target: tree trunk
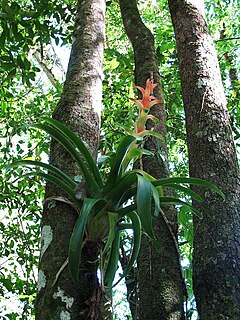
<point x="79" y="108"/>
<point x="160" y="282"/>
<point x="212" y="156"/>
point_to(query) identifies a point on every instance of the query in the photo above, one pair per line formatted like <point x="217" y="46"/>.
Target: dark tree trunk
<point x="79" y="108"/>
<point x="160" y="281"/>
<point x="212" y="156"/>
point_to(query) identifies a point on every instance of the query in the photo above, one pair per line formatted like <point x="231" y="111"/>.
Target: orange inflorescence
<point x="145" y="104"/>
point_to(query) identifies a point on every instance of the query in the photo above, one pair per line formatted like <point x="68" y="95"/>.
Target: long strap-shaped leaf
<point x="196" y="181"/>
<point x="93" y="187"/>
<point x="172" y="200"/>
<point x="166" y="182"/>
<point x="58" y="182"/>
<point x="76" y="241"/>
<point x="151" y="133"/>
<point x="121" y="186"/>
<point x="133" y="154"/>
<point x="185" y="190"/>
<point x="112" y="262"/>
<point x="155" y="195"/>
<point x="47" y="166"/>
<point x="80" y="146"/>
<point x="144" y="200"/>
<point x="117" y="162"/>
<point x="125" y="210"/>
<point x="113" y="218"/>
<point x="136" y="226"/>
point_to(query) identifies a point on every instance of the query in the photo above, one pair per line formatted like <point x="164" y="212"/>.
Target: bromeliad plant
<point x="125" y="199"/>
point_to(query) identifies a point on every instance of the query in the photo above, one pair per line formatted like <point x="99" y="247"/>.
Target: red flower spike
<point x="147" y="100"/>
<point x="144" y="105"/>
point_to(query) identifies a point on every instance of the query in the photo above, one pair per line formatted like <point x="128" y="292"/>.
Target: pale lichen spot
<point x="65" y="315"/>
<point x="41" y="280"/>
<point x="47" y="236"/>
<point x="66" y="299"/>
<point x="201" y="83"/>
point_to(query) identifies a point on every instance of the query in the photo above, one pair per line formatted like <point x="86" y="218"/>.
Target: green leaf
<point x="113" y="218"/>
<point x="123" y="211"/>
<point x="80" y="146"/>
<point x="113" y="63"/>
<point x="195" y="181"/>
<point x="172" y="200"/>
<point x="124" y="226"/>
<point x="49" y="167"/>
<point x="151" y="133"/>
<point x="117" y="162"/>
<point x="150" y="178"/>
<point x="136" y="226"/>
<point x="58" y="182"/>
<point x="112" y="264"/>
<point x="185" y="190"/>
<point x="121" y="187"/>
<point x="144" y="174"/>
<point x="76" y="241"/>
<point x="133" y="154"/>
<point x="155" y="194"/>
<point x="93" y="187"/>
<point x="144" y="197"/>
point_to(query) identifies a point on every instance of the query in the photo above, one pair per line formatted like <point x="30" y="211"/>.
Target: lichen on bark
<point x="46" y="238"/>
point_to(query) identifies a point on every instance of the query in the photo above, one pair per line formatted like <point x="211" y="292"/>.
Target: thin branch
<point x="227" y="39"/>
<point x="46" y="70"/>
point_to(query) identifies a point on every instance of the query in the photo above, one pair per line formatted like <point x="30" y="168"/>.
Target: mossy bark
<point x="212" y="156"/>
<point x="78" y="108"/>
<point x="160" y="282"/>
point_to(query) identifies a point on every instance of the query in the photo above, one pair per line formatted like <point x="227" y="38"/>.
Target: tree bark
<point x="79" y="108"/>
<point x="160" y="282"/>
<point x="212" y="156"/>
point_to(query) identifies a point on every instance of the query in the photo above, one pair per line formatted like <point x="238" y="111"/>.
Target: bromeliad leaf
<point x="113" y="218"/>
<point x="185" y="190"/>
<point x="116" y="169"/>
<point x="196" y="181"/>
<point x="60" y="174"/>
<point x="76" y="241"/>
<point x="92" y="185"/>
<point x="119" y="190"/>
<point x="74" y="139"/>
<point x="58" y="182"/>
<point x="133" y="154"/>
<point x="112" y="264"/>
<point x="125" y="210"/>
<point x="155" y="194"/>
<point x="136" y="226"/>
<point x="172" y="200"/>
<point x="151" y="133"/>
<point x="144" y="197"/>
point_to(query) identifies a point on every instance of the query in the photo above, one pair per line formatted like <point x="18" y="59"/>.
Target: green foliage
<point x="123" y="193"/>
<point x="25" y="25"/>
